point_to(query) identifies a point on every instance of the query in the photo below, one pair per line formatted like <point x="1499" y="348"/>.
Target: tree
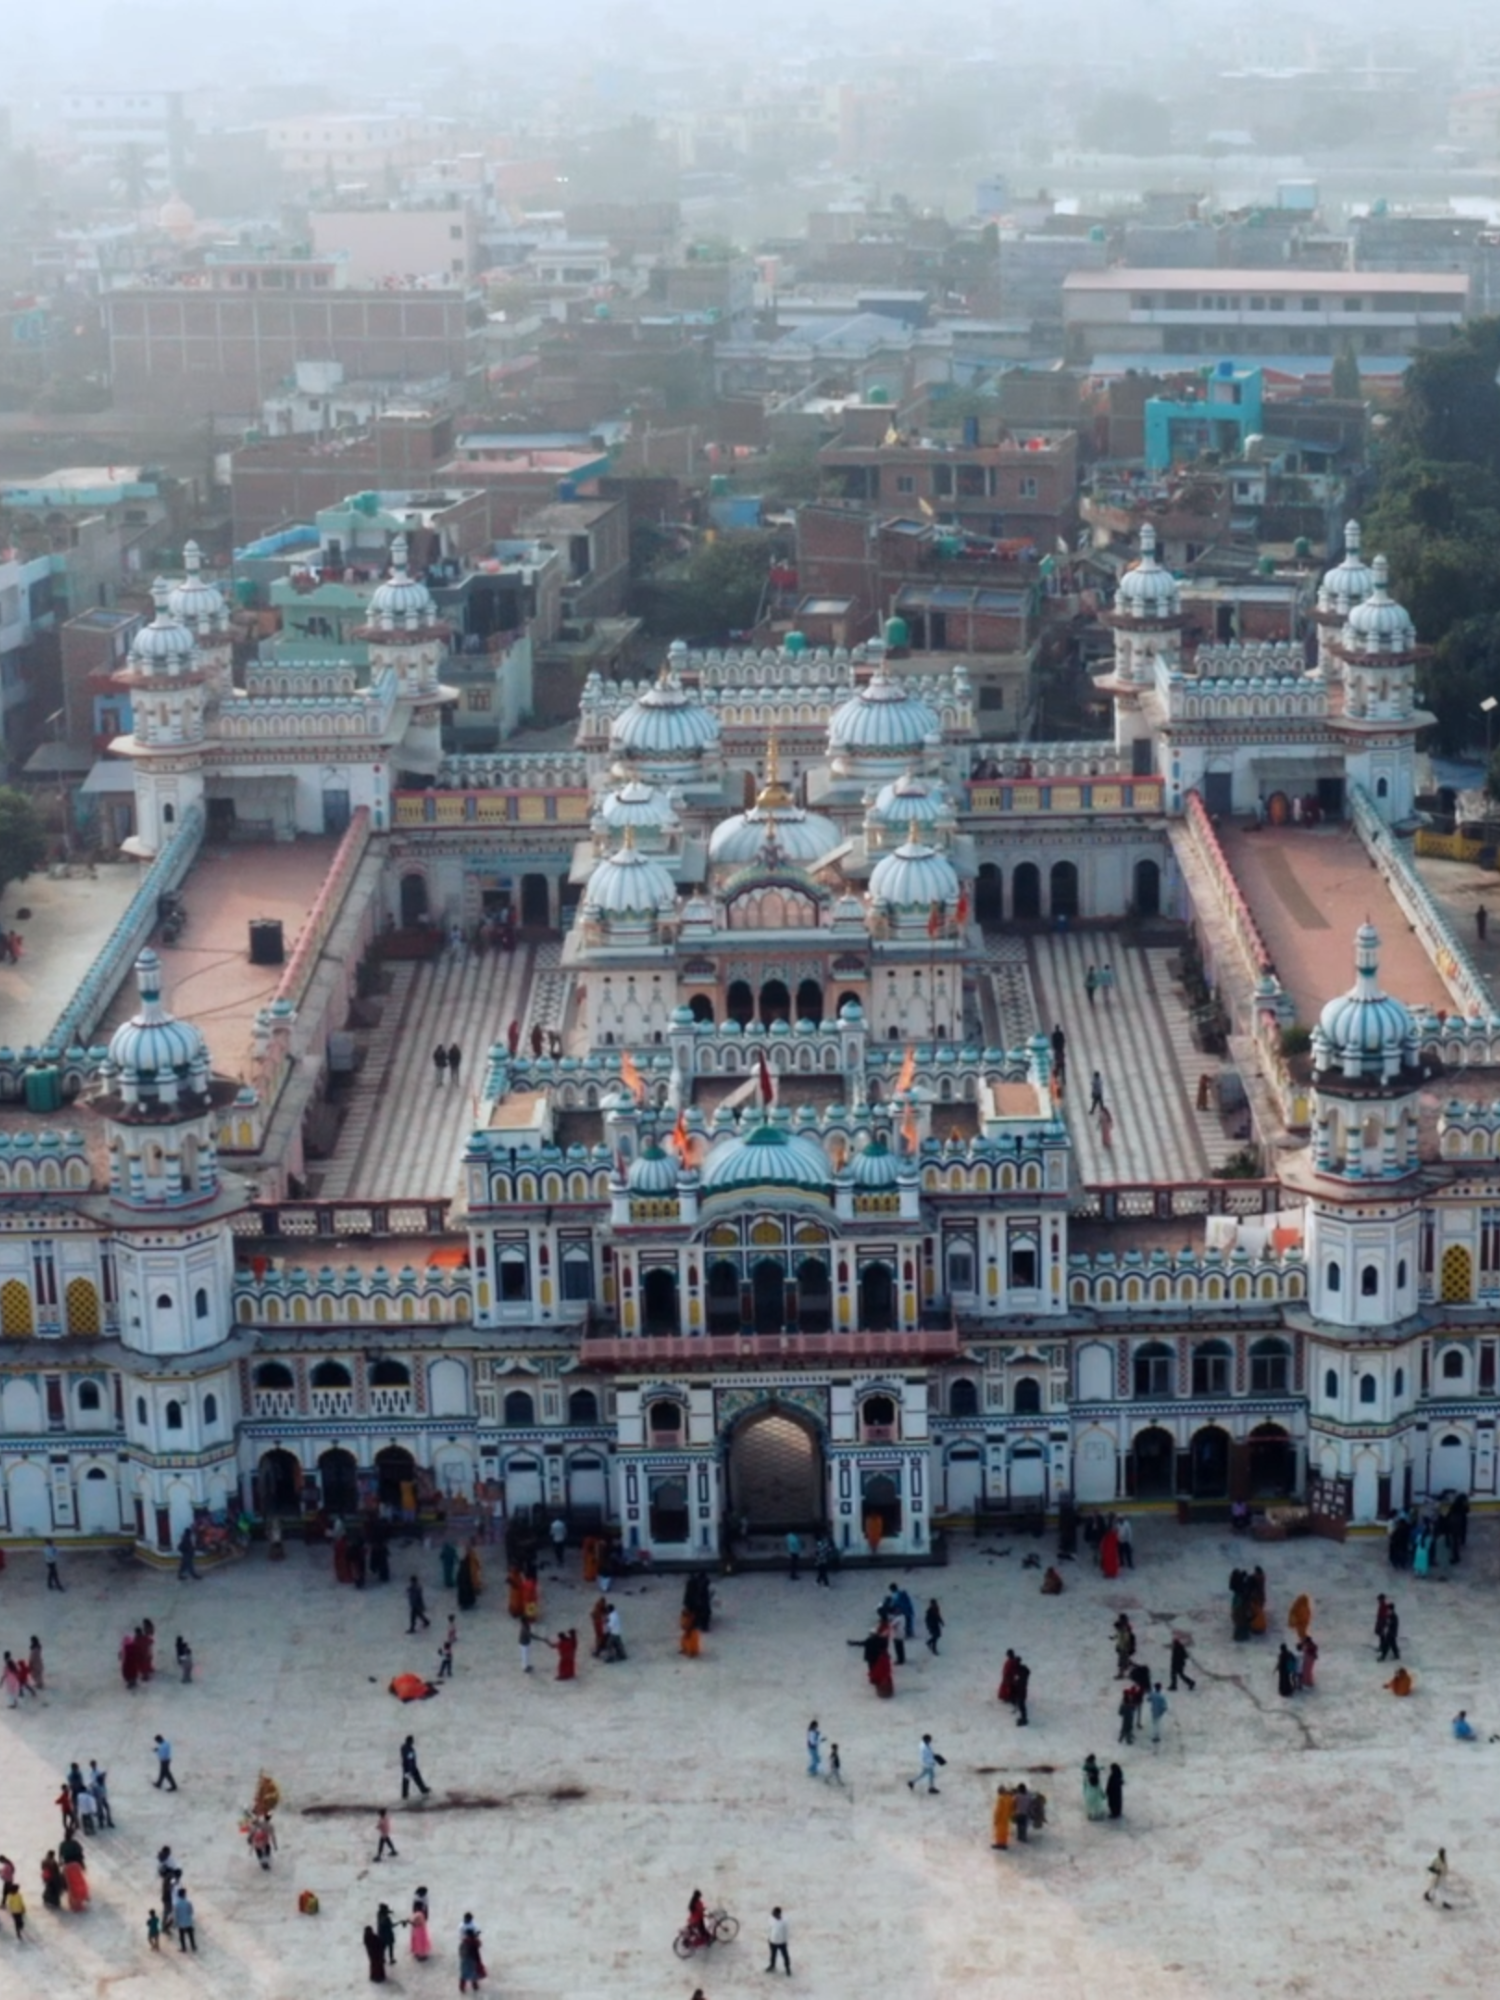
<point x="1346" y="384"/>
<point x="23" y="842"/>
<point x="719" y="590"/>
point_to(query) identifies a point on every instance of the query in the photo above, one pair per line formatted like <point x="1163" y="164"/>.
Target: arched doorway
<point x="338" y="1481"/>
<point x="1210" y="1456"/>
<point x="776" y="1471"/>
<point x="1028" y="1473"/>
<point x="413" y="901"/>
<point x="703" y="1008"/>
<point x="669" y="1517"/>
<point x="775" y="1002"/>
<point x="278" y="1483"/>
<point x="739" y="1002"/>
<point x="1147" y="897"/>
<point x="723" y="1297"/>
<point x="1026" y="893"/>
<point x="395" y="1468"/>
<point x="98" y="1507"/>
<point x="1153" y="1461"/>
<point x="879" y="1494"/>
<point x="536" y="903"/>
<point x="814" y="1298"/>
<point x="768" y="1296"/>
<point x="877" y="1298"/>
<point x="810" y="1001"/>
<point x="965" y="1479"/>
<point x="1448" y="1465"/>
<point x="1273" y="1463"/>
<point x="989" y="894"/>
<point x="659" y="1302"/>
<point x="1063" y="889"/>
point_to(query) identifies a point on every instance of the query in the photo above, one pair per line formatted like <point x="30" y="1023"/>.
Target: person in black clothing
<point x="1390" y="1633"/>
<point x="455" y="1057"/>
<point x="1179" y="1663"/>
<point x="385" y="1930"/>
<point x="1020" y="1682"/>
<point x="410" y="1773"/>
<point x="416" y="1604"/>
<point x="440" y="1062"/>
<point x="1114" y="1791"/>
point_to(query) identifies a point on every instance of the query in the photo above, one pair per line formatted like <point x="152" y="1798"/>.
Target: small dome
<point x="638" y="805"/>
<point x="883" y="717"/>
<point x="195" y="601"/>
<point x="1146" y="589"/>
<point x="668" y="720"/>
<point x="768" y="1157"/>
<point x="875" y="1166"/>
<point x="653" y="1172"/>
<point x="177" y="218"/>
<point x="1379" y="624"/>
<point x="1350" y="581"/>
<point x="628" y="884"/>
<point x="154" y="1055"/>
<point x="913" y="876"/>
<point x="166" y="644"/>
<point x="1365" y="1035"/>
<point x="402" y="598"/>
<point x="911" y="801"/>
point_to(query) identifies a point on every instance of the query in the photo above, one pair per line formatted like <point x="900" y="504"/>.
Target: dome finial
<point x="192" y="558"/>
<point x="773" y="795"/>
<point x="628" y="842"/>
<point x="1380" y="570"/>
<point x="400" y="549"/>
<point x="1148" y="542"/>
<point x="148" y="978"/>
<point x="160" y="593"/>
<point x="1351" y="538"/>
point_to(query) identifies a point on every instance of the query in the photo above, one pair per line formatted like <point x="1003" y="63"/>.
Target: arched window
<point x="583" y="1407"/>
<point x="1453" y="1365"/>
<point x="1335" y="1278"/>
<point x="1151" y="1369"/>
<point x="515" y="1276"/>
<point x="210" y="1409"/>
<point x="1331" y="1385"/>
<point x="390" y="1375"/>
<point x="1369" y="1282"/>
<point x="1270" y="1367"/>
<point x="140" y="1411"/>
<point x="963" y="1398"/>
<point x="664" y="1420"/>
<point x="1398" y="1384"/>
<point x="1401" y="1274"/>
<point x="164" y="1302"/>
<point x="88" y="1395"/>
<point x="1367" y="1389"/>
<point x="200" y="1303"/>
<point x="332" y="1375"/>
<point x="877" y="1416"/>
<point x="1212" y="1360"/>
<point x="1028" y="1397"/>
<point x="174" y="1415"/>
<point x="274" y="1375"/>
<point x="577" y="1275"/>
<point x="520" y="1408"/>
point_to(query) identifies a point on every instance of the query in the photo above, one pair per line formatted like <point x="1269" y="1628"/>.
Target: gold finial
<point x="913" y="834"/>
<point x="627" y="845"/>
<point x="773" y="795"/>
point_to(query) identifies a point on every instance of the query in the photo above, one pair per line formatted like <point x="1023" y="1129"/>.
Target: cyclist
<point x="697" y="1919"/>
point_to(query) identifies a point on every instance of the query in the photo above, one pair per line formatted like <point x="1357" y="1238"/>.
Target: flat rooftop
<point x="1310" y="889"/>
<point x="1153" y="278"/>
<point x="69" y="920"/>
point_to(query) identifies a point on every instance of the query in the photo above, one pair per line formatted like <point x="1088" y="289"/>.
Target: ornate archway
<point x="776" y="1471"/>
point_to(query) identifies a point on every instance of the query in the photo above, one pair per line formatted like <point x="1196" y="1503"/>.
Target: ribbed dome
<point x="166" y="644"/>
<point x="913" y="876"/>
<point x="653" y="1172"/>
<point x="767" y="1157"/>
<point x="1349" y="582"/>
<point x="910" y="801"/>
<point x="1365" y="1036"/>
<point x="1146" y="589"/>
<point x="800" y="836"/>
<point x="157" y="1057"/>
<point x="196" y="602"/>
<point x="875" y="1167"/>
<point x="668" y="720"/>
<point x="637" y="805"/>
<point x="628" y="884"/>
<point x="883" y="717"/>
<point x="402" y="598"/>
<point x="1379" y="624"/>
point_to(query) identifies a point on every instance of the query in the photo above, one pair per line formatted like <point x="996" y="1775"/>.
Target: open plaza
<point x="1268" y="1846"/>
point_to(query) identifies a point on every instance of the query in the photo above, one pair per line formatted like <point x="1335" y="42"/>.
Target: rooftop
<point x="1151" y="278"/>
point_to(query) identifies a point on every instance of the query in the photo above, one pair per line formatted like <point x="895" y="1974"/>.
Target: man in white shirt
<point x="776" y="1937"/>
<point x="930" y="1762"/>
<point x="614" y="1638"/>
<point x="559" y="1532"/>
<point x="1126" y="1537"/>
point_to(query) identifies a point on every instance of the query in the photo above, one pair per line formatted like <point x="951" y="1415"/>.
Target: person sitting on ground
<point x="1400" y="1682"/>
<point x="1052" y="1583"/>
<point x="1463" y="1729"/>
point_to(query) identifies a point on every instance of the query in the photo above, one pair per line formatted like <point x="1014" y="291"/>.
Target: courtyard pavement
<point x="1267" y="1847"/>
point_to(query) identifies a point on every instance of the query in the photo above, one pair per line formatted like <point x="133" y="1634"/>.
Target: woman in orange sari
<point x="690" y="1643"/>
<point x="1300" y="1615"/>
<point x="1005" y="1806"/>
<point x="591" y="1559"/>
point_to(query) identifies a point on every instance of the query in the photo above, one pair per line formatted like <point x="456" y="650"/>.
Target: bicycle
<point x="718" y="1928"/>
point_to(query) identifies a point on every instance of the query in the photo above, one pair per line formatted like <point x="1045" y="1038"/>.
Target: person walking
<point x="1389" y="1634"/>
<point x="523" y="1639"/>
<point x="455" y="1057"/>
<point x="1020" y="1684"/>
<point x="15" y="1904"/>
<point x="1001" y="1817"/>
<point x="793" y="1556"/>
<point x="1090" y="985"/>
<point x="421" y="1937"/>
<point x="1129" y="1702"/>
<point x="410" y="1772"/>
<point x="1059" y="1052"/>
<point x="440" y="1063"/>
<point x="1156" y="1701"/>
<point x="36" y="1664"/>
<point x="1437" y="1879"/>
<point x="934" y="1624"/>
<point x="814" y="1748"/>
<point x="823" y="1556"/>
<point x="383" y="1829"/>
<point x="1125" y="1536"/>
<point x="835" y="1772"/>
<point x="187" y="1570"/>
<point x="185" y="1918"/>
<point x="559" y="1534"/>
<point x="263" y="1842"/>
<point x="928" y="1770"/>
<point x="1096" y="1092"/>
<point x="99" y="1786"/>
<point x="614" y="1635"/>
<point x="1179" y="1663"/>
<point x="416" y="1605"/>
<point x="164" y="1764"/>
<point x="470" y="1956"/>
<point x="1093" y="1791"/>
<point x="445" y="1660"/>
<point x="385" y="1930"/>
<point x="1114" y="1791"/>
<point x="49" y="1556"/>
<point x="777" y="1938"/>
<point x="184" y="1659"/>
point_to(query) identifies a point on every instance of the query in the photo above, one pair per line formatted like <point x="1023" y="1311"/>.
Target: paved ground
<point x="1140" y="1041"/>
<point x="1462" y="888"/>
<point x="1310" y="889"/>
<point x="69" y="920"/>
<point x="1268" y="1847"/>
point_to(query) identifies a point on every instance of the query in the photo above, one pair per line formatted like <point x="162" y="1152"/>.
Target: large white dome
<point x="628" y="884"/>
<point x="768" y="1157"/>
<point x="914" y="876"/>
<point x="668" y="721"/>
<point x="1146" y="589"/>
<point x="885" y="718"/>
<point x="402" y="599"/>
<point x="196" y="602"/>
<point x="157" y="1059"/>
<point x="638" y="805"/>
<point x="1365" y="1036"/>
<point x="1379" y="624"/>
<point x="165" y="646"/>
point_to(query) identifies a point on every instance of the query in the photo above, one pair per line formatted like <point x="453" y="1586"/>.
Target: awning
<point x="111" y="774"/>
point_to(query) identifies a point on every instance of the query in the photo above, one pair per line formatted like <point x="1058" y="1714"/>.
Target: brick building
<point x="1016" y="489"/>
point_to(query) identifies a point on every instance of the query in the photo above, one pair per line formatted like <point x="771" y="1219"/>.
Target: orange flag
<point x="908" y="1072"/>
<point x="631" y="1077"/>
<point x="680" y="1143"/>
<point x="909" y="1132"/>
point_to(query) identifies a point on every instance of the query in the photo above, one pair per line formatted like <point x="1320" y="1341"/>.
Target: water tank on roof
<point x="43" y="1087"/>
<point x="1096" y="233"/>
<point x="367" y="503"/>
<point x="718" y="485"/>
<point x="1225" y="371"/>
<point x="794" y="642"/>
<point x="878" y="396"/>
<point x="897" y="635"/>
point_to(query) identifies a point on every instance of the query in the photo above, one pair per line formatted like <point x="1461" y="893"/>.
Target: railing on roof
<point x="712" y="1350"/>
<point x="419" y="1215"/>
<point x="1031" y="797"/>
<point x="1171" y="1201"/>
<point x="325" y="912"/>
<point x="560" y="806"/>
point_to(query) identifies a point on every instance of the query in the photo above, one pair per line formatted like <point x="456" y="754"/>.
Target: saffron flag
<point x="961" y="913"/>
<point x="909" y="1132"/>
<point x="631" y="1077"/>
<point x="767" y="1087"/>
<point x="908" y="1072"/>
<point x="935" y="921"/>
<point x="680" y="1143"/>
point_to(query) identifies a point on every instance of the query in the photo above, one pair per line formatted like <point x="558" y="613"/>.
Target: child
<point x="153" y="1930"/>
<point x="383" y="1828"/>
<point x="15" y="1902"/>
<point x="835" y="1774"/>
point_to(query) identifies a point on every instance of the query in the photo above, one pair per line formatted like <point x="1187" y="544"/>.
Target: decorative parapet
<point x="1039" y="798"/>
<point x="1255" y="959"/>
<point x="294" y="1295"/>
<point x="1158" y="1278"/>
<point x="324" y="914"/>
<point x="413" y="812"/>
<point x="514" y="771"/>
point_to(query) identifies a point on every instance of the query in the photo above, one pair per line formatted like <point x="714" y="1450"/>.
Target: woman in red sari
<point x="130" y="1661"/>
<point x="1007" y="1688"/>
<point x="565" y="1645"/>
<point x="1109" y="1551"/>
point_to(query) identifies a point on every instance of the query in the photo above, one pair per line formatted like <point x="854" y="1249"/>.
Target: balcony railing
<point x="279" y="1402"/>
<point x="391" y="1403"/>
<point x="717" y="1350"/>
<point x="332" y="1402"/>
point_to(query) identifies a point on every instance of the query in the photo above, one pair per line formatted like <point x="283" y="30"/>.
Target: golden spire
<point x="773" y="796"/>
<point x="627" y="844"/>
